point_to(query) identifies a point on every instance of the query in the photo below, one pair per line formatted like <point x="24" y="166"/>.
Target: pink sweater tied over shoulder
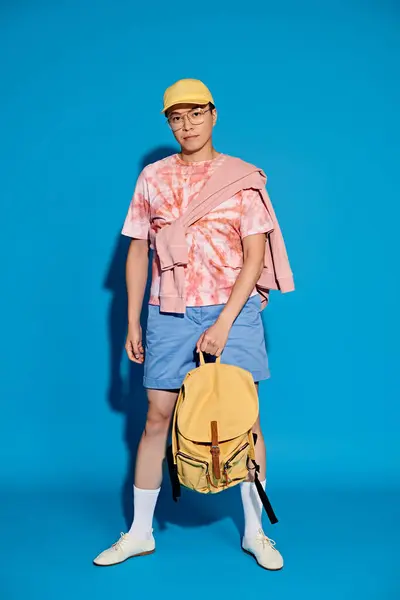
<point x="232" y="176"/>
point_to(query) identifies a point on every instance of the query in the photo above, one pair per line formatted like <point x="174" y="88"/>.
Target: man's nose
<point x="186" y="123"/>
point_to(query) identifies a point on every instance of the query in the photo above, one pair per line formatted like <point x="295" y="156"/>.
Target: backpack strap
<point x="172" y="450"/>
<point x="173" y="475"/>
<point x="261" y="492"/>
<point x="203" y="362"/>
<point x="174" y="433"/>
<point x="263" y="496"/>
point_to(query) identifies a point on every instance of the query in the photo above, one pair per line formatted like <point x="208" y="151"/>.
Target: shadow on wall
<point x="129" y="399"/>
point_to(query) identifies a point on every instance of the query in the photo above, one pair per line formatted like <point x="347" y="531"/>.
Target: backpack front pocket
<point x="193" y="473"/>
<point x="235" y="468"/>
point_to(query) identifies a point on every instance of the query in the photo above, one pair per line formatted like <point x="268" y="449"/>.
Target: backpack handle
<point x="203" y="362"/>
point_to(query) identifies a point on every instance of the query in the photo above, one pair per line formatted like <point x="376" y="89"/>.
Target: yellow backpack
<point x="212" y="439"/>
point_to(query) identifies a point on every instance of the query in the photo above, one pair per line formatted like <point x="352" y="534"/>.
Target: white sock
<point x="144" y="502"/>
<point x="252" y="508"/>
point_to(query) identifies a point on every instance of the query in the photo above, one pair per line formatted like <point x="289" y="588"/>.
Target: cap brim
<point x="195" y="101"/>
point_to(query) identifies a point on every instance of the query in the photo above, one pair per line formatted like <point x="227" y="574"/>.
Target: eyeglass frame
<point x="185" y="114"/>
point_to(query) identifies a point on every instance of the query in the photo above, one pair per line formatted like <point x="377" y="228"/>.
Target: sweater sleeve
<point x="255" y="217"/>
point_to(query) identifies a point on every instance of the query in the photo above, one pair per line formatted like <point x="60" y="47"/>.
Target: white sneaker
<point x="263" y="550"/>
<point x="126" y="547"/>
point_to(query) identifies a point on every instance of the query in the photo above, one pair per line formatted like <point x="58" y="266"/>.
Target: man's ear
<point x="214" y="116"/>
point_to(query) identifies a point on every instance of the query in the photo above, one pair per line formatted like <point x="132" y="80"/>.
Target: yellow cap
<point x="187" y="91"/>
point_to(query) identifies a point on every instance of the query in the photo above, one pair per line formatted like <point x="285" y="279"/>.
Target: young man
<point x="218" y="311"/>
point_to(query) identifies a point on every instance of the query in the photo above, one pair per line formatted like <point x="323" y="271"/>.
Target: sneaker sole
<point x="259" y="564"/>
<point x="125" y="559"/>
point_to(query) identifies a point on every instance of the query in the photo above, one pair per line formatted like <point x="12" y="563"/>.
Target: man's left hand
<point x="214" y="339"/>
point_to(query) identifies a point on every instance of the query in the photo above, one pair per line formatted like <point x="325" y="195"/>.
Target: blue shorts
<point x="171" y="339"/>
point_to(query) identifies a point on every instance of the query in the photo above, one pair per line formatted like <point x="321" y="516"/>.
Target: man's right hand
<point x="133" y="346"/>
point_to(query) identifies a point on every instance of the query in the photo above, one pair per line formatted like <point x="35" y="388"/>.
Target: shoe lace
<point x="120" y="542"/>
<point x="266" y="541"/>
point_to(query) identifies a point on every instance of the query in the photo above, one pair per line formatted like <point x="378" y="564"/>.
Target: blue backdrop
<point x="309" y="91"/>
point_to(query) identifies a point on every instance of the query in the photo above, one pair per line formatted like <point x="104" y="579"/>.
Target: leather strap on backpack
<point x="215" y="451"/>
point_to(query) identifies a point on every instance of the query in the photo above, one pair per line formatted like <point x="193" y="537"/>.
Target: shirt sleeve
<point x="255" y="217"/>
<point x="137" y="221"/>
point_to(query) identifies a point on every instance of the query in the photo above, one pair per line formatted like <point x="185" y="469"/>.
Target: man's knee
<point x="157" y="422"/>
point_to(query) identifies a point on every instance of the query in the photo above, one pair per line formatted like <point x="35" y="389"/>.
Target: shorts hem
<point x="175" y="384"/>
<point x="260" y="375"/>
<point x="162" y="384"/>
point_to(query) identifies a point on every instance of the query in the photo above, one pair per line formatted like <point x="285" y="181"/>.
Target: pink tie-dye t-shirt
<point x="163" y="191"/>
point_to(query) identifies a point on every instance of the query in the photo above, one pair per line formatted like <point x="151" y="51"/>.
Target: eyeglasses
<point x="195" y="117"/>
